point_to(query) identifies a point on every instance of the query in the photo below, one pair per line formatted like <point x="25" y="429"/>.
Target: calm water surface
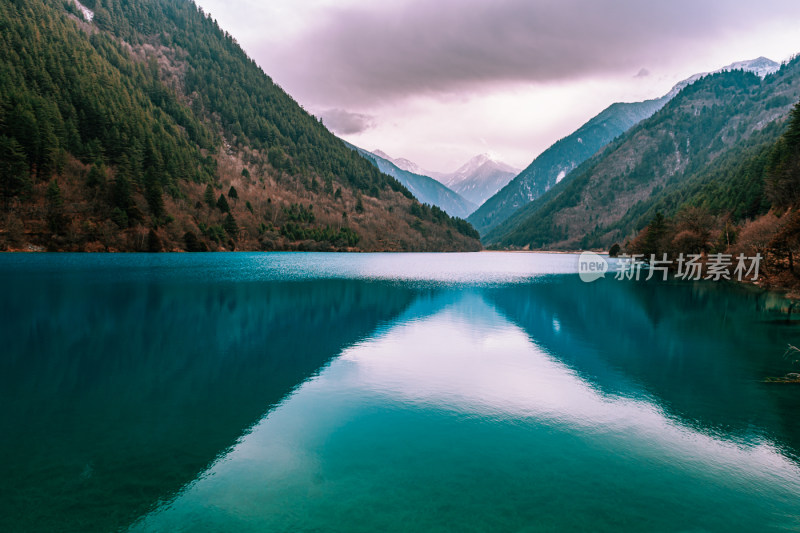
<point x="388" y="392"/>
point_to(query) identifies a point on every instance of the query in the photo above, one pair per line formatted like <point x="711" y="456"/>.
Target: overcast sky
<point x="440" y="81"/>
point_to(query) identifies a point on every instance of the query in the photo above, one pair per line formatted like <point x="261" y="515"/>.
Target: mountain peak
<point x="473" y="163"/>
<point x="401" y="163"/>
<point x="480" y="177"/>
<point x="760" y="66"/>
<point x="381" y="153"/>
<point x="480" y="160"/>
<point x="476" y="180"/>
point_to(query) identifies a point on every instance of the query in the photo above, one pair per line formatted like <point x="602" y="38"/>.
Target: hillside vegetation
<point x="149" y="128"/>
<point x="552" y="165"/>
<point x="705" y="148"/>
<point x="755" y="211"/>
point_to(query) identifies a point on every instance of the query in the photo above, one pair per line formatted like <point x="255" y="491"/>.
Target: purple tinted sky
<point x="439" y="81"/>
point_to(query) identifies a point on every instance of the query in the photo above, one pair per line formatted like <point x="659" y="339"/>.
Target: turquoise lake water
<point x="388" y="392"/>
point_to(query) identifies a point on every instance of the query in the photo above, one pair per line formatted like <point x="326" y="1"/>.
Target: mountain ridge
<point x="567" y="153"/>
<point x="694" y="143"/>
<point x="424" y="188"/>
<point x="480" y="178"/>
<point x="476" y="180"/>
<point x="147" y="127"/>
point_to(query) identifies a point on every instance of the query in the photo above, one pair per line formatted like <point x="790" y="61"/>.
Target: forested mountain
<point x="690" y="151"/>
<point x="748" y="205"/>
<point x="148" y="127"/>
<point x="424" y="188"/>
<point x="552" y="165"/>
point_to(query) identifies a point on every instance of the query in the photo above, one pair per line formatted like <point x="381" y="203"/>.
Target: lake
<point x="388" y="392"/>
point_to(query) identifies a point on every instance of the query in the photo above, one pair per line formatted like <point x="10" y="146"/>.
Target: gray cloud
<point x="344" y="122"/>
<point x="643" y="73"/>
<point x="381" y="51"/>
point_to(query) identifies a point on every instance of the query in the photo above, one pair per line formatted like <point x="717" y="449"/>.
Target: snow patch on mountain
<point x="761" y="66"/>
<point x="554" y="164"/>
<point x="424" y="188"/>
<point x="88" y="14"/>
<point x="480" y="178"/>
<point x="480" y="165"/>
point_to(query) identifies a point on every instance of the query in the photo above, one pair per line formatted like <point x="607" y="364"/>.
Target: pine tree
<point x="47" y="146"/>
<point x="654" y="235"/>
<point x="222" y="204"/>
<point x="97" y="175"/>
<point x="14" y="175"/>
<point x="153" y="193"/>
<point x="192" y="243"/>
<point x="230" y="226"/>
<point x="55" y="208"/>
<point x="792" y="134"/>
<point x="208" y="196"/>
<point x="119" y="217"/>
<point x="121" y="193"/>
<point x="783" y="169"/>
<point x="21" y="125"/>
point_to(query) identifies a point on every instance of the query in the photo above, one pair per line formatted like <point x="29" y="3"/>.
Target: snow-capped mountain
<point x="761" y="67"/>
<point x="479" y="178"/>
<point x="424" y="188"/>
<point x="476" y="180"/>
<point x="402" y="163"/>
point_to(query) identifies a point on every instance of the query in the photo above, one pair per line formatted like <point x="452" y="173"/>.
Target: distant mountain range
<point x="555" y="163"/>
<point x="476" y="180"/>
<point x="706" y="148"/>
<point x="424" y="188"/>
<point x="403" y="163"/>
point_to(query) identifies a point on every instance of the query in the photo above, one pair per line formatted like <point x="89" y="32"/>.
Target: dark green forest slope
<point x="749" y="205"/>
<point x="706" y="148"/>
<point x="561" y="158"/>
<point x="148" y="128"/>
